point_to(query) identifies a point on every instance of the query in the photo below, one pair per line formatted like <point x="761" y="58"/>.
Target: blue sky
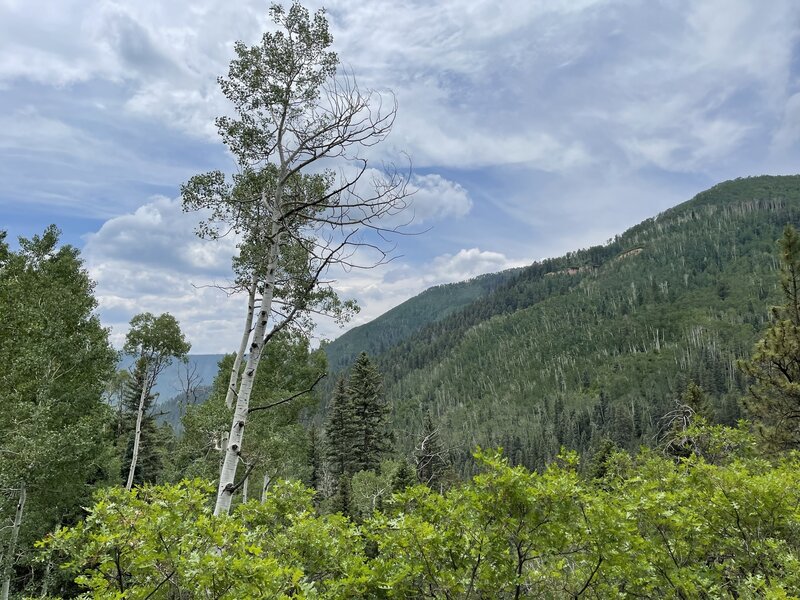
<point x="535" y="128"/>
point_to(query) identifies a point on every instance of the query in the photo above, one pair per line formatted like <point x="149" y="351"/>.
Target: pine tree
<point x="371" y="415"/>
<point x="403" y="477"/>
<point x="774" y="401"/>
<point x="314" y="458"/>
<point x="341" y="502"/>
<point x="340" y="432"/>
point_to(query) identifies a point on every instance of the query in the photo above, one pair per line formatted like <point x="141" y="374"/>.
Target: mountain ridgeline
<point x="594" y="347"/>
<point x="401" y="322"/>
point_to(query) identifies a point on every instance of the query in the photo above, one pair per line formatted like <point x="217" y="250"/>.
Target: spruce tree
<point x="371" y="415"/>
<point x="314" y="457"/>
<point x="340" y="432"/>
<point x="403" y="477"/>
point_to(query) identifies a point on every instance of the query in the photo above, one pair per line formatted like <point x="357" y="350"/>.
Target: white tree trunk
<point x="48" y="566"/>
<point x="227" y="474"/>
<point x="237" y="363"/>
<point x="137" y="436"/>
<point x="11" y="550"/>
<point x="244" y="488"/>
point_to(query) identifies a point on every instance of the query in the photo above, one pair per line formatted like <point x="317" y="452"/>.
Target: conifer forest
<point x="622" y="421"/>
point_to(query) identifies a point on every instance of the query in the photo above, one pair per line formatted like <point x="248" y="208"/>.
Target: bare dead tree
<point x="189" y="381"/>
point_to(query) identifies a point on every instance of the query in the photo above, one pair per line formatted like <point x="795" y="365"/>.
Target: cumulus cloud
<point x="537" y="127"/>
<point x="379" y="290"/>
<point x="433" y="197"/>
<point x="150" y="260"/>
<point x="160" y="234"/>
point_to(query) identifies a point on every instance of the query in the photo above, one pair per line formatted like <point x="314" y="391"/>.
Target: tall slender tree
<point x="148" y="463"/>
<point x="294" y="112"/>
<point x="154" y="342"/>
<point x="372" y="438"/>
<point x="340" y="433"/>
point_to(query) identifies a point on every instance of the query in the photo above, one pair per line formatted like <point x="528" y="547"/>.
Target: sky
<point x="534" y="128"/>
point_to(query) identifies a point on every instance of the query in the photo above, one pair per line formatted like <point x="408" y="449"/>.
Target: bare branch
<point x="290" y="398"/>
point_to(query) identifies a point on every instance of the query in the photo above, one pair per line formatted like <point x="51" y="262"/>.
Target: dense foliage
<point x="278" y="443"/>
<point x="774" y="399"/>
<point x="647" y="340"/>
<point x="357" y="436"/>
<point x="55" y="431"/>
<point x="650" y="527"/>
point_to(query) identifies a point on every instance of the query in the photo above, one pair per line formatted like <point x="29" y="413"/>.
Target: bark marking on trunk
<point x="12" y="544"/>
<point x="227" y="473"/>
<point x="237" y="363"/>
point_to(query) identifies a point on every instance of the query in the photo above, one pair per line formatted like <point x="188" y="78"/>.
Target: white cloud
<point x="150" y="260"/>
<point x="561" y="121"/>
<point x="378" y="290"/>
<point x="433" y="197"/>
<point x="481" y="84"/>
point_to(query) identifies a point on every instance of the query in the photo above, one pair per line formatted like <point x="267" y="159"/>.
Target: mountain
<point x="593" y="347"/>
<point x="397" y="324"/>
<point x="201" y="369"/>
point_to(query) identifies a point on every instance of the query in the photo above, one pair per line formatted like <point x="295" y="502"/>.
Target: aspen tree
<point x="154" y="342"/>
<point x="296" y="118"/>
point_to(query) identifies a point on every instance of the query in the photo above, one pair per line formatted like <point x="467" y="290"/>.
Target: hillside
<point x="598" y="343"/>
<point x="397" y="324"/>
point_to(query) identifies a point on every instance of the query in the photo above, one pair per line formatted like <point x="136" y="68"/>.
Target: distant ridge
<point x="202" y="367"/>
<point x="395" y="325"/>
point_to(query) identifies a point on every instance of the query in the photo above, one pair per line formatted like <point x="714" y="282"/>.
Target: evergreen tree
<point x="314" y="458"/>
<point x="774" y="400"/>
<point x="341" y="502"/>
<point x="372" y="440"/>
<point x="403" y="477"/>
<point x="340" y="432"/>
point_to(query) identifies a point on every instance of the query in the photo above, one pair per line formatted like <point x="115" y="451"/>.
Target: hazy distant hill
<point x="202" y="367"/>
<point x="595" y="344"/>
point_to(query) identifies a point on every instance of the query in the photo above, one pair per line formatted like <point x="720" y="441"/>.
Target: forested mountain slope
<point x="598" y="343"/>
<point x="397" y="324"/>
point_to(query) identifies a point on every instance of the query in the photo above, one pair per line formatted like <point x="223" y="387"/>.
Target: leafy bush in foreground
<point x="651" y="527"/>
